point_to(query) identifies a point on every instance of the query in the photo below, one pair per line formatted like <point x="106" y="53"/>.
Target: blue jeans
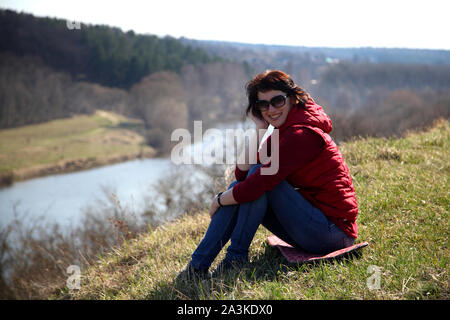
<point x="283" y="211"/>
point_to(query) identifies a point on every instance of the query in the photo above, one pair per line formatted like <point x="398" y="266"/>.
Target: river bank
<point x="67" y="145"/>
<point x="70" y="165"/>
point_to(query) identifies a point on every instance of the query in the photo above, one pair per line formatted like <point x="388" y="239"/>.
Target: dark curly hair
<point x="273" y="80"/>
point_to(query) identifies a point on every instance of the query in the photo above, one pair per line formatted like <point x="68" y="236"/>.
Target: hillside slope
<point x="403" y="192"/>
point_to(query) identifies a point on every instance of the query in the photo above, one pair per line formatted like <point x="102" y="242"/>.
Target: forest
<point x="94" y="53"/>
<point x="48" y="71"/>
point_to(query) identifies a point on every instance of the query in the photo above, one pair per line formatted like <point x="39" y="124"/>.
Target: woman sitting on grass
<point x="309" y="202"/>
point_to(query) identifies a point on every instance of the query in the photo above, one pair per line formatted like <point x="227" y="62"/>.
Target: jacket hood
<point x="312" y="115"/>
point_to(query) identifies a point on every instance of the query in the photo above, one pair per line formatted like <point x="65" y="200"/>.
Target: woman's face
<point x="275" y="116"/>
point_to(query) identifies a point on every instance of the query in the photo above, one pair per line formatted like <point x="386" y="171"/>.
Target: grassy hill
<point x="402" y="187"/>
<point x="64" y="145"/>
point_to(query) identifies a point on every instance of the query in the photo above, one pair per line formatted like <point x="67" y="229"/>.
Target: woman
<point x="309" y="202"/>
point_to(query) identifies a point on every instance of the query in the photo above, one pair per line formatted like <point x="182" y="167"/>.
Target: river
<point x="61" y="198"/>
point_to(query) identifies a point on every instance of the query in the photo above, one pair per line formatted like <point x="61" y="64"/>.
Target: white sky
<point x="329" y="23"/>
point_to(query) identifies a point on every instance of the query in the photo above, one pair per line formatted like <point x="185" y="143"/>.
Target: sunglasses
<point x="276" y="102"/>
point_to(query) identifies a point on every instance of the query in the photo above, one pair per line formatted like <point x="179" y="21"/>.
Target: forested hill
<point x="100" y="54"/>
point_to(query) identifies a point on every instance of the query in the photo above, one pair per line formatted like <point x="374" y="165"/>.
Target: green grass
<point x="402" y="187"/>
<point x="103" y="134"/>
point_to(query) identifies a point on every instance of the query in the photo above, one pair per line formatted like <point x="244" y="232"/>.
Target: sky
<point x="312" y="23"/>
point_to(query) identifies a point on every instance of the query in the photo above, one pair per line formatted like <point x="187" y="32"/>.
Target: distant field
<point x="69" y="144"/>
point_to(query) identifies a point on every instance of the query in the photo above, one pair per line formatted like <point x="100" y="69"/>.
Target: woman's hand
<point x="214" y="206"/>
<point x="226" y="199"/>
<point x="260" y="123"/>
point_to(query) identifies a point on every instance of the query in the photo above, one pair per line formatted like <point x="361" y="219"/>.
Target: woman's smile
<point x="274" y="117"/>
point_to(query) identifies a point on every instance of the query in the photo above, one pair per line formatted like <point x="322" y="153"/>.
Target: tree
<point x="159" y="100"/>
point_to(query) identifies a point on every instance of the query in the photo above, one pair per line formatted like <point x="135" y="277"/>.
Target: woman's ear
<point x="292" y="101"/>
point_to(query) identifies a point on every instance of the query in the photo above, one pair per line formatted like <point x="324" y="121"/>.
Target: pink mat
<point x="295" y="255"/>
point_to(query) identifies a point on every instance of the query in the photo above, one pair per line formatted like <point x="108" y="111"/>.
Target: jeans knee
<point x="280" y="189"/>
<point x="233" y="184"/>
<point x="253" y="169"/>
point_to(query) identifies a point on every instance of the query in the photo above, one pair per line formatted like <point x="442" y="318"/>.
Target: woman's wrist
<point x="218" y="199"/>
<point x="226" y="198"/>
